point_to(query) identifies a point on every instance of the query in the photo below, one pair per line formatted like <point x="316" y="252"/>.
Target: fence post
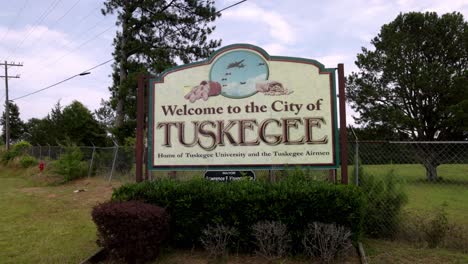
<point x="356" y="164"/>
<point x="356" y="158"/>
<point x="40" y="152"/>
<point x="343" y="139"/>
<point x="116" y="146"/>
<point x="92" y="159"/>
<point x="49" y="151"/>
<point x="332" y="176"/>
<point x="271" y="176"/>
<point x="148" y="176"/>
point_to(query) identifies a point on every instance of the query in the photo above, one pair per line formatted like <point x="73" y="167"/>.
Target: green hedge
<point x="195" y="204"/>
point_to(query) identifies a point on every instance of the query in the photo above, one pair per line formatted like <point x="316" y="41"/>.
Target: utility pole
<point x="7" y="102"/>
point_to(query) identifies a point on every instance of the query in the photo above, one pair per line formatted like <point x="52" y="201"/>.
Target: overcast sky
<point x="56" y="39"/>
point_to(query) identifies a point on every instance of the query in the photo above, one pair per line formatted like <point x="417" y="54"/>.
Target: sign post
<point x="139" y="148"/>
<point x="343" y="139"/>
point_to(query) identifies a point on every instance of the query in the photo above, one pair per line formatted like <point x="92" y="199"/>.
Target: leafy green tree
<point x="154" y="35"/>
<point x="105" y="115"/>
<point x="80" y="126"/>
<point x="38" y="132"/>
<point x="48" y="130"/>
<point x="74" y="124"/>
<point x="415" y="80"/>
<point x="16" y="124"/>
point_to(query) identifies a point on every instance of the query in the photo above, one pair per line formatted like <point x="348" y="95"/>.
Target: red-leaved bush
<point x="131" y="231"/>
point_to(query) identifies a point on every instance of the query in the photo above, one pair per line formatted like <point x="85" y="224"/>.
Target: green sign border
<point x="322" y="70"/>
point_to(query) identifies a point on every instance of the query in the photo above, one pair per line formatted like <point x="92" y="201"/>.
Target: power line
<point x="65" y="45"/>
<point x="97" y="66"/>
<point x="41" y="18"/>
<point x="79" y="46"/>
<point x="13" y="22"/>
<point x="54" y="24"/>
<point x="89" y="40"/>
<point x="83" y="31"/>
<point x="62" y="81"/>
<point x="68" y="11"/>
<point x="233" y="5"/>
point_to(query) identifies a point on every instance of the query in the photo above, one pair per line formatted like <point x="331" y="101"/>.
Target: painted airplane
<point x="228" y="73"/>
<point x="224" y="79"/>
<point x="242" y="82"/>
<point x="236" y="64"/>
<point x="261" y="63"/>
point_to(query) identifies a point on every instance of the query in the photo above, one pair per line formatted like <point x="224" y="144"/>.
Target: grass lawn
<point x="391" y="252"/>
<point x="47" y="224"/>
<point x="52" y="224"/>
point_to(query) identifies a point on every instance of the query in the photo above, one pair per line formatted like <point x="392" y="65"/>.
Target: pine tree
<point x="154" y="35"/>
<point x="16" y="124"/>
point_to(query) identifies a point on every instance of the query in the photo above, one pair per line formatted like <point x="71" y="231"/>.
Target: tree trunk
<point x="429" y="155"/>
<point x="431" y="171"/>
<point x="119" y="111"/>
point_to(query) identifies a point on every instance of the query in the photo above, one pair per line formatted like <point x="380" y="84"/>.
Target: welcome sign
<point x="242" y="108"/>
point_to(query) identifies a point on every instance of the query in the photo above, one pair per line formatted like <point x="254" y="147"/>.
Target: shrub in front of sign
<point x="131" y="231"/>
<point x="198" y="203"/>
<point x="326" y="241"/>
<point x="272" y="239"/>
<point x="216" y="239"/>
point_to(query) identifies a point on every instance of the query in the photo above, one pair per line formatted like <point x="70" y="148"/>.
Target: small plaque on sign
<point x="227" y="176"/>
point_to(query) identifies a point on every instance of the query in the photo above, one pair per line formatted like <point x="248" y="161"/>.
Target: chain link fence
<point x="428" y="180"/>
<point x="118" y="163"/>
<point x="425" y="159"/>
<point x="112" y="163"/>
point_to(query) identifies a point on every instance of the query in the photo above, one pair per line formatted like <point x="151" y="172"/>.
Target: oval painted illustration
<point x="238" y="72"/>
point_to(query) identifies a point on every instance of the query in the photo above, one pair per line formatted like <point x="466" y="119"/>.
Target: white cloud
<point x="41" y="68"/>
<point x="279" y="28"/>
<point x="445" y="7"/>
<point x="275" y="48"/>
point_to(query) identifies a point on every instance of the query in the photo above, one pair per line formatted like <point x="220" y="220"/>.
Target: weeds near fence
<point x="70" y="164"/>
<point x="385" y="200"/>
<point x="17" y="150"/>
<point x="436" y="228"/>
<point x="433" y="229"/>
<point x="27" y="161"/>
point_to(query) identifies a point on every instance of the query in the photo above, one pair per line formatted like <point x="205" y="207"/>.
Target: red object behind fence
<point x="41" y="166"/>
